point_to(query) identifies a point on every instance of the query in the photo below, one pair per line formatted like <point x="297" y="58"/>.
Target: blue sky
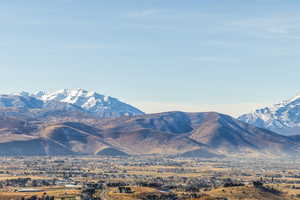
<point x="199" y="55"/>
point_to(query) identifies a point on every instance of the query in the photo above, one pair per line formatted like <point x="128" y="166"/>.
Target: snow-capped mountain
<point x="283" y="117"/>
<point x="20" y="101"/>
<point x="92" y="102"/>
<point x="23" y="105"/>
<point x="68" y="100"/>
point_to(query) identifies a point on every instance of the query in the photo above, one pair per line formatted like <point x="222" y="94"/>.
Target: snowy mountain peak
<point x="75" y="96"/>
<point x="295" y="99"/>
<point x="22" y="93"/>
<point x="38" y="94"/>
<point x="282" y="117"/>
<point x="93" y="102"/>
<point x="89" y="102"/>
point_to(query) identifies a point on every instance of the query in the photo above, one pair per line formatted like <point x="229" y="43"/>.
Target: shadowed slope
<point x="169" y="133"/>
<point x="111" y="152"/>
<point x="188" y="131"/>
<point x="33" y="147"/>
<point x="77" y="137"/>
<point x="224" y="132"/>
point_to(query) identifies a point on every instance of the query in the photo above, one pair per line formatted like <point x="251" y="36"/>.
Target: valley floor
<point x="150" y="178"/>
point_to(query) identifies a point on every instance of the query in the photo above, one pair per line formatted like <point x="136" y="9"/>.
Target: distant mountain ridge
<point x="283" y="117"/>
<point x="172" y="133"/>
<point x="77" y="100"/>
<point x="79" y="122"/>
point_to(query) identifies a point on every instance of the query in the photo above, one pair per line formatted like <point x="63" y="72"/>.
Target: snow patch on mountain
<point x="92" y="102"/>
<point x="283" y="115"/>
<point x="20" y="101"/>
<point x="81" y="100"/>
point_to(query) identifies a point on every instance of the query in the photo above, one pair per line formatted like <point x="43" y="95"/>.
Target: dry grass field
<point x="137" y="192"/>
<point x="57" y="192"/>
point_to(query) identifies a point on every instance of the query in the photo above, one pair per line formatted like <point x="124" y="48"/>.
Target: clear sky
<point x="196" y="55"/>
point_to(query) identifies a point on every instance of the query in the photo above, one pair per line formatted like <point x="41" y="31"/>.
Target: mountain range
<point x="65" y="102"/>
<point x="79" y="122"/>
<point x="283" y="117"/>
